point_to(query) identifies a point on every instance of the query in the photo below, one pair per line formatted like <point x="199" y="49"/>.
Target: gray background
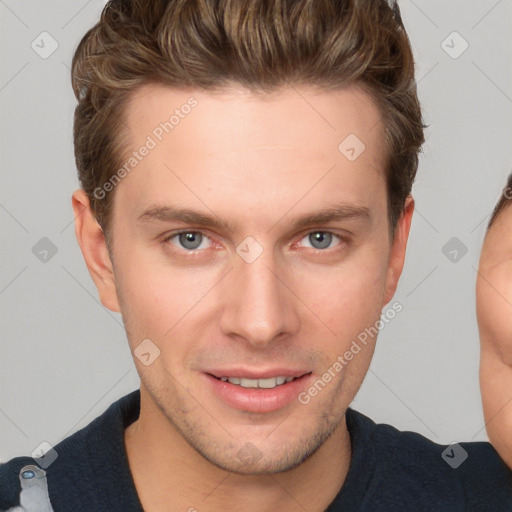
<point x="64" y="357"/>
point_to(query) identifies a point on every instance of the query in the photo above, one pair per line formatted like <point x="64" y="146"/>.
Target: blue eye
<point x="322" y="238"/>
<point x="190" y="240"/>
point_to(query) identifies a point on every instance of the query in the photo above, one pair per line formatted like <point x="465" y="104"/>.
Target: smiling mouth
<point x="268" y="383"/>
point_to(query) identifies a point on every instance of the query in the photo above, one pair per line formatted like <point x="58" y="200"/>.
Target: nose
<point x="259" y="304"/>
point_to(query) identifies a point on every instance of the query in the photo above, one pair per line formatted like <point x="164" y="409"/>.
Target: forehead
<point x="236" y="117"/>
<point x="253" y="148"/>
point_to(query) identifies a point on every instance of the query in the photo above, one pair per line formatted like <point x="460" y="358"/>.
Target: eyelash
<point x="194" y="253"/>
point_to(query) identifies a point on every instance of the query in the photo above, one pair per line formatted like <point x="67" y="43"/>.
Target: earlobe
<point x="398" y="249"/>
<point x="94" y="249"/>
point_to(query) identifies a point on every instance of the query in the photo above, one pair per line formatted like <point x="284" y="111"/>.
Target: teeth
<point x="249" y="383"/>
<point x="258" y="383"/>
<point x="267" y="383"/>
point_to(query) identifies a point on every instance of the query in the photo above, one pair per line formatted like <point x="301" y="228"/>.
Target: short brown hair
<point x="259" y="44"/>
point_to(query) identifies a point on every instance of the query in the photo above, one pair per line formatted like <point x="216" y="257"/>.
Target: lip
<point x="247" y="373"/>
<point x="254" y="399"/>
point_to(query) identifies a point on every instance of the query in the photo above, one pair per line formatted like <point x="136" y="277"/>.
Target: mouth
<point x="267" y="383"/>
<point x="263" y="393"/>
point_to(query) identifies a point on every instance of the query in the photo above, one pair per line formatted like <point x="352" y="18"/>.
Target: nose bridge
<point x="260" y="308"/>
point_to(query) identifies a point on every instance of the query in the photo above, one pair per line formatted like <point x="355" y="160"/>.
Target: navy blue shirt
<point x="390" y="471"/>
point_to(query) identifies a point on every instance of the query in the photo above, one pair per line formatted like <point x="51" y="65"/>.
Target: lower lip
<point x="258" y="399"/>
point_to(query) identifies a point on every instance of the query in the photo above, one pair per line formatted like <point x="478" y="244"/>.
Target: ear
<point x="398" y="247"/>
<point x="94" y="249"/>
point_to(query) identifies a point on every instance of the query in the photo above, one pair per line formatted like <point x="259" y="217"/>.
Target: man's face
<point x="256" y="295"/>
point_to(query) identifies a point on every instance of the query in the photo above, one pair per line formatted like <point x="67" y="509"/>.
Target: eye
<point x="320" y="240"/>
<point x="193" y="241"/>
<point x="189" y="240"/>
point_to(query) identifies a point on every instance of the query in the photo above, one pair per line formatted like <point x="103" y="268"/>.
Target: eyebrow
<point x="333" y="213"/>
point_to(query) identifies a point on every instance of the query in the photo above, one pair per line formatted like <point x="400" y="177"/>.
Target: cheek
<point x="348" y="304"/>
<point x="349" y="294"/>
<point x="494" y="310"/>
<point x="163" y="303"/>
<point x="147" y="295"/>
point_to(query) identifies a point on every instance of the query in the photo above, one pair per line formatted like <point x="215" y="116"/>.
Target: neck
<point x="170" y="475"/>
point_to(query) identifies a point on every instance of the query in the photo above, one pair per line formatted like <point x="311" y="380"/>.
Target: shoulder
<point x="471" y="473"/>
<point x="56" y="471"/>
<point x="10" y="486"/>
<point x="69" y="472"/>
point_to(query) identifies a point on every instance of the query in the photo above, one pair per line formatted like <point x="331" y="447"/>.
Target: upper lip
<point x="248" y="373"/>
